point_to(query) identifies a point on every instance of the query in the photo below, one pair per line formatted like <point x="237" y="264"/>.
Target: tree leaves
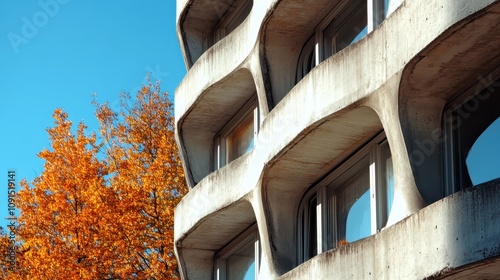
<point x="105" y="210"/>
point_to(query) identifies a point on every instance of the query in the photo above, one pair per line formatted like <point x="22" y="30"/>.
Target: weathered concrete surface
<point x="196" y="25"/>
<point x="307" y="129"/>
<point x="207" y="117"/>
<point x="485" y="269"/>
<point x="283" y="37"/>
<point x="210" y="216"/>
<point x="458" y="230"/>
<point x="228" y="72"/>
<point x="461" y="56"/>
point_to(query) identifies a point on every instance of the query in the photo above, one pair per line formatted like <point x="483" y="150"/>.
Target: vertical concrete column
<point x="255" y="67"/>
<point x="195" y="263"/>
<point x="407" y="197"/>
<point x="279" y="213"/>
<point x="267" y="267"/>
<point x="421" y="119"/>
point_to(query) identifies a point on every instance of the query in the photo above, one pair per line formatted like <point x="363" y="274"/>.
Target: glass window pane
<point x="312" y="229"/>
<point x="390" y="6"/>
<point x="473" y="130"/>
<point x="310" y="63"/>
<point x="307" y="60"/>
<point x="353" y="209"/>
<point x="352" y="30"/>
<point x="240" y="139"/>
<point x="241" y="265"/>
<point x="346" y="28"/>
<point x="358" y="219"/>
<point x="483" y="160"/>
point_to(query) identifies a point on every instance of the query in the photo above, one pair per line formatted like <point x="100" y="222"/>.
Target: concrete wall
<point x="396" y="79"/>
<point x="458" y="231"/>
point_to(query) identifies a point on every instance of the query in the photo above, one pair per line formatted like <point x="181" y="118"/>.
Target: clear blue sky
<point x="57" y="55"/>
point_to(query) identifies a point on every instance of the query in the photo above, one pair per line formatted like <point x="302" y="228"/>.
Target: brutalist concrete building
<point x="339" y="139"/>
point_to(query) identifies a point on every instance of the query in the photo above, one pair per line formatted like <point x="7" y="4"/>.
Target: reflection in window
<point x="343" y="26"/>
<point x="483" y="161"/>
<point x="354" y="207"/>
<point x="239" y="260"/>
<point x="236" y="138"/>
<point x="344" y="200"/>
<point x="472" y="131"/>
<point x="346" y="28"/>
<point x="240" y="139"/>
<point x="390" y="6"/>
<point x="241" y="265"/>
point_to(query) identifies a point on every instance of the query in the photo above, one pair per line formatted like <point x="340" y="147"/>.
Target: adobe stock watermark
<point x="31" y="25"/>
<point x="426" y="147"/>
<point x="10" y="255"/>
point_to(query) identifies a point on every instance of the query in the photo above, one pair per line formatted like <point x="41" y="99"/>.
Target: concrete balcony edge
<point x="445" y="237"/>
<point x="208" y="197"/>
<point x="218" y="62"/>
<point x="301" y="101"/>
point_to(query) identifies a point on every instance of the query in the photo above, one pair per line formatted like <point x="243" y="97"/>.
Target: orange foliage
<point x="342" y="242"/>
<point x="105" y="211"/>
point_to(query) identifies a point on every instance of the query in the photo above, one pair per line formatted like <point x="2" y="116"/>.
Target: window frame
<point x="249" y="235"/>
<point x="233" y="15"/>
<point x="455" y="171"/>
<point x="336" y="20"/>
<point x="249" y="110"/>
<point x="375" y="15"/>
<point x="326" y="216"/>
<point x="305" y="64"/>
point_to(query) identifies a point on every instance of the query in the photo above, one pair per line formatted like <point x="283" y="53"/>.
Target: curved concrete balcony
<point x="454" y="238"/>
<point x="236" y="51"/>
<point x="217" y="85"/>
<point x="369" y="86"/>
<point x="461" y="56"/>
<point x="210" y="215"/>
<point x="288" y="27"/>
<point x="198" y="24"/>
<point x="196" y="130"/>
<point x="219" y="190"/>
<point x="217" y="63"/>
<point x="324" y="134"/>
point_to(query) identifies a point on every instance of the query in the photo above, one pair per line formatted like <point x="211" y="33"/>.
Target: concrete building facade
<point x="339" y="139"/>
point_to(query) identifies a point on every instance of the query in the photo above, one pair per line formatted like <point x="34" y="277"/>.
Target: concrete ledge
<point x="317" y="107"/>
<point x="463" y="55"/>
<point x="458" y="230"/>
<point x="218" y="191"/>
<point x="196" y="131"/>
<point x="217" y="63"/>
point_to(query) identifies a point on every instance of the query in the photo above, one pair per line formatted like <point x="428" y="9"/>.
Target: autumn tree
<point x="11" y="256"/>
<point x="103" y="206"/>
<point x="64" y="214"/>
<point x="147" y="175"/>
<point x="5" y="253"/>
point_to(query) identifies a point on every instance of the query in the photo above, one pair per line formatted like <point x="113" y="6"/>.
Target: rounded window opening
<point x="352" y="202"/>
<point x="472" y="133"/>
<point x="240" y="258"/>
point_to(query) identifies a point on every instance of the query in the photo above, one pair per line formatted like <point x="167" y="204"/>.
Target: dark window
<point x="472" y="131"/>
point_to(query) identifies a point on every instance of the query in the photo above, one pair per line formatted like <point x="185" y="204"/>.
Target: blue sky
<point x="56" y="53"/>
